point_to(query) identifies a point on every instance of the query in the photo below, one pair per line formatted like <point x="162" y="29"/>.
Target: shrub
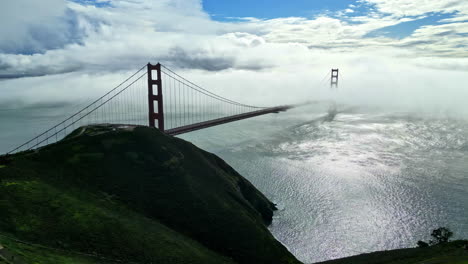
<point x="441" y="235"/>
<point x="422" y="244"/>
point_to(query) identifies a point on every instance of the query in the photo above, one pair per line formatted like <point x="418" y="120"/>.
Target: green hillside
<point x="449" y="253"/>
<point x="132" y="195"/>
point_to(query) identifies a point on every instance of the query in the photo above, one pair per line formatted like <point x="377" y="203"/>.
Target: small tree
<point x="441" y="235"/>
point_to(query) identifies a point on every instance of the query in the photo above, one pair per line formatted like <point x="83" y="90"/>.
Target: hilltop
<point x="109" y="193"/>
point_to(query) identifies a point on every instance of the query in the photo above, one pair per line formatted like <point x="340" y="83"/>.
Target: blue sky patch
<point x="268" y="9"/>
<point x="344" y="10"/>
<point x="405" y="29"/>
<point x="95" y="3"/>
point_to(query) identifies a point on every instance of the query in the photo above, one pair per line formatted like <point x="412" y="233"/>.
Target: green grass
<point x="39" y="255"/>
<point x="449" y="253"/>
<point x="79" y="221"/>
<point x="445" y="260"/>
<point x="137" y="196"/>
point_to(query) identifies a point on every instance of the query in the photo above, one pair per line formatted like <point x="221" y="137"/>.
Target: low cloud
<point x="123" y="34"/>
<point x="199" y="59"/>
<point x="77" y="47"/>
<point x="30" y="27"/>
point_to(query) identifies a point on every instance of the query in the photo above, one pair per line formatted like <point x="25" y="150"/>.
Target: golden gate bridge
<point x="156" y="96"/>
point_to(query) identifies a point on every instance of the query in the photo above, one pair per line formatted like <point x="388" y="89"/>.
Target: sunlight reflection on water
<point x="365" y="181"/>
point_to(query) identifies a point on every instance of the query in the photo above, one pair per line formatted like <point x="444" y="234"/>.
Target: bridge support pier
<point x="152" y="116"/>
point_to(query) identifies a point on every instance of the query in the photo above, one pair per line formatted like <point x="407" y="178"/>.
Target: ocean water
<point x="362" y="180"/>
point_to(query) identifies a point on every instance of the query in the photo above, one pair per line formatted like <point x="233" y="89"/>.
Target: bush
<point x="441" y="235"/>
<point x="422" y="244"/>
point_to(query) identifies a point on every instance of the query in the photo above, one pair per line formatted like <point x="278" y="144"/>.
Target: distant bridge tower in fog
<point x="334" y="78"/>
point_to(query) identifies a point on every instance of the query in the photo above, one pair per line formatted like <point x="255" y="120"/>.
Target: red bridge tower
<point x="334" y="78"/>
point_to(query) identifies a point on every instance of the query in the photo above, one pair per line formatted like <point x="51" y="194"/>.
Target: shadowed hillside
<point x="449" y="253"/>
<point x="135" y="195"/>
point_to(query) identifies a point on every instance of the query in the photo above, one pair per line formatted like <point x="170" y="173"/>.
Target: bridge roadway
<point x="223" y="120"/>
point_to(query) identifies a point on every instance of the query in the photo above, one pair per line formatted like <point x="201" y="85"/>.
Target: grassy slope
<point x="450" y="253"/>
<point x="139" y="196"/>
<point x="36" y="254"/>
<point x="75" y="220"/>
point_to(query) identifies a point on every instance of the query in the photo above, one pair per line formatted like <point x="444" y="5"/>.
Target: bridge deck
<point x="219" y="121"/>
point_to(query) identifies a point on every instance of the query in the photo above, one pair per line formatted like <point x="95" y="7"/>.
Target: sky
<point x="404" y="50"/>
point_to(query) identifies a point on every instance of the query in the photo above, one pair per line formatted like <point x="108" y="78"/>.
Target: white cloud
<point x="264" y="55"/>
<point x="459" y="18"/>
<point x="419" y="7"/>
<point x="35" y="26"/>
<point x="130" y="32"/>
